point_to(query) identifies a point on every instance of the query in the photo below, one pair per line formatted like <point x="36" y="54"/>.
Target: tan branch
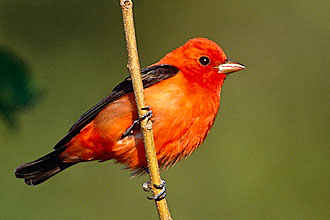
<point x="146" y="126"/>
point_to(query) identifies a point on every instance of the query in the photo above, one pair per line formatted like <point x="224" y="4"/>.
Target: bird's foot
<point x="147" y="187"/>
<point x="137" y="121"/>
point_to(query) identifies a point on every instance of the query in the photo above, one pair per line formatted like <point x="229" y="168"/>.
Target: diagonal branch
<point x="146" y="125"/>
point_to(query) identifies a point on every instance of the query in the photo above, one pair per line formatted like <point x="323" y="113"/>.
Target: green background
<point x="268" y="154"/>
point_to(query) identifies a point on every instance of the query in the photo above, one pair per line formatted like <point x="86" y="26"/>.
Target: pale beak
<point x="230" y="66"/>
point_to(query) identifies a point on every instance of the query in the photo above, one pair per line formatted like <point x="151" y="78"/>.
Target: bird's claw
<point x="146" y="115"/>
<point x="137" y="121"/>
<point x="147" y="187"/>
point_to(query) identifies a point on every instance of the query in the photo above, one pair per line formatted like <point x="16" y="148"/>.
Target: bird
<point x="182" y="91"/>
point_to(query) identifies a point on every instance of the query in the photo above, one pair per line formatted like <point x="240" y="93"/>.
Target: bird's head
<point x="202" y="61"/>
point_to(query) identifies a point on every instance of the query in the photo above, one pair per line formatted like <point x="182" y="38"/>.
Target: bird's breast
<point x="183" y="116"/>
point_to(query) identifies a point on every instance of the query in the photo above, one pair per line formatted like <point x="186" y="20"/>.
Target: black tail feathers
<point x="42" y="169"/>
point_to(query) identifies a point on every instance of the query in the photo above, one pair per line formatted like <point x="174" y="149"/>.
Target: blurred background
<point x="267" y="156"/>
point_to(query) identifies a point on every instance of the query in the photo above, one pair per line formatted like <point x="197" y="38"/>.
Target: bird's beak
<point x="230" y="66"/>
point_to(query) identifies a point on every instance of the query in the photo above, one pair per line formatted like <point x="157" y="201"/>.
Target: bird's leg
<point x="146" y="169"/>
<point x="147" y="187"/>
<point x="137" y="121"/>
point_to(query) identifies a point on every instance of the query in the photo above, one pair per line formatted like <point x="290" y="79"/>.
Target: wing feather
<point x="150" y="76"/>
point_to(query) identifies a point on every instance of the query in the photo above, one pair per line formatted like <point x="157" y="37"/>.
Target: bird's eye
<point x="204" y="60"/>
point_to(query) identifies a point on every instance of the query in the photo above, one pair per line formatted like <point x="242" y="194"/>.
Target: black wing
<point x="150" y="76"/>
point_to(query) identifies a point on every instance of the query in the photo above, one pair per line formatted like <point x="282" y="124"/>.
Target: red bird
<point x="183" y="92"/>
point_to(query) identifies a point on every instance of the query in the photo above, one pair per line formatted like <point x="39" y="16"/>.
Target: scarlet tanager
<point x="183" y="92"/>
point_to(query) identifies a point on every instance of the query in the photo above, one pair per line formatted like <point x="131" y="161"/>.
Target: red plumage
<point x="183" y="91"/>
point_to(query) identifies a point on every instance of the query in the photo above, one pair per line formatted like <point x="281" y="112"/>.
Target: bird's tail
<point x="42" y="169"/>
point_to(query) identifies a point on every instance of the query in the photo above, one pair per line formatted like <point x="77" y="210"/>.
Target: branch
<point x="146" y="126"/>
